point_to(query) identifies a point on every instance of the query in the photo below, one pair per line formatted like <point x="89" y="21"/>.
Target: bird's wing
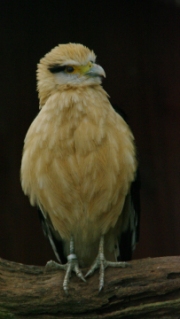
<point x="53" y="236"/>
<point x="130" y="234"/>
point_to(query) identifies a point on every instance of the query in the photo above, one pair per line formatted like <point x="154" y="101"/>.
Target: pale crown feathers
<point x="66" y="66"/>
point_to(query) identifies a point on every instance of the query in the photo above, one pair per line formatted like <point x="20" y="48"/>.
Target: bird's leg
<point x="101" y="263"/>
<point x="72" y="265"/>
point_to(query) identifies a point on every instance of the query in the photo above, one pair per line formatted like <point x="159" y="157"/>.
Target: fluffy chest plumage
<point x="78" y="163"/>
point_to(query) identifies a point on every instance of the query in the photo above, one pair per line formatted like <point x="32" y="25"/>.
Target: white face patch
<point x="65" y="78"/>
<point x="76" y="78"/>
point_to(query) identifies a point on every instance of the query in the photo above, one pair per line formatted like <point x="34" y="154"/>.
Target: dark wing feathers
<point x="130" y="236"/>
<point x="53" y="236"/>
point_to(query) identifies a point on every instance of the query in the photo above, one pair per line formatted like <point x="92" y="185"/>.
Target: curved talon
<point x="101" y="263"/>
<point x="79" y="273"/>
<point x="71" y="265"/>
<point x="94" y="266"/>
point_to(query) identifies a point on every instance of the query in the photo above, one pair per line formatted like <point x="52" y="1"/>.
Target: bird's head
<point x="66" y="66"/>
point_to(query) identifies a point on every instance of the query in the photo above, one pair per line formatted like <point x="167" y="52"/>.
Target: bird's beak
<point x="93" y="70"/>
<point x="96" y="70"/>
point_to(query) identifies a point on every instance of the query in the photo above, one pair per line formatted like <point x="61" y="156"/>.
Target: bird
<point x="79" y="166"/>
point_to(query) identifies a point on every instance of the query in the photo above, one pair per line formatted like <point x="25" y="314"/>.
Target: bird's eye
<point x="69" y="69"/>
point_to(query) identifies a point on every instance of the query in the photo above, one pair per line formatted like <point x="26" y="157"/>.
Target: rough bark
<point x="149" y="289"/>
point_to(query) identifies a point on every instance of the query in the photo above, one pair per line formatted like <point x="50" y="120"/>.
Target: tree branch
<point x="150" y="289"/>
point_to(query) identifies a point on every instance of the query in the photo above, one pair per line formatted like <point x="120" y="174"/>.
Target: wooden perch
<point x="150" y="289"/>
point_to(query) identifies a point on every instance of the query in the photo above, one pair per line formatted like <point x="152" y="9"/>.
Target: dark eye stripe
<point x="56" y="68"/>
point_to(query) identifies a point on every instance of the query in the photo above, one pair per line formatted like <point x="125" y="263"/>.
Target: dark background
<point x="138" y="45"/>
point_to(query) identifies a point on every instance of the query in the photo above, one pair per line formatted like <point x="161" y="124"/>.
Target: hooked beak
<point x="92" y="70"/>
<point x="96" y="70"/>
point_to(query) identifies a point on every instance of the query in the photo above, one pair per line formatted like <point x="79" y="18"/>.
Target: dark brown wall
<point x="138" y="44"/>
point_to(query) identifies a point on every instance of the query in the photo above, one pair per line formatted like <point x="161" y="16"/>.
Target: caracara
<point x="79" y="165"/>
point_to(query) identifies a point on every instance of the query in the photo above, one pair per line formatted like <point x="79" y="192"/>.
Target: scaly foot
<point x="102" y="263"/>
<point x="72" y="265"/>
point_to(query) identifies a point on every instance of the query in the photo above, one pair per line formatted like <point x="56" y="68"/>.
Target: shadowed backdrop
<point x="138" y="45"/>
